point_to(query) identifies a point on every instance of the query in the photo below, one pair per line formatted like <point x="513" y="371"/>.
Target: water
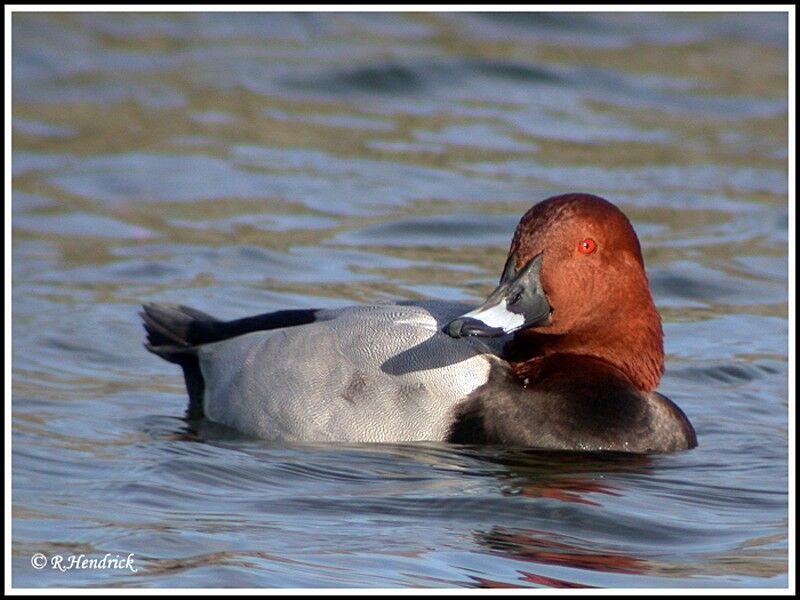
<point x="242" y="163"/>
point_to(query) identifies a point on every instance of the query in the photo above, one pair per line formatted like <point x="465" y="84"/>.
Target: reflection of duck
<point x="567" y="476"/>
<point x="538" y="547"/>
<point x="541" y="580"/>
<point x="568" y="489"/>
<point x="578" y="373"/>
<point x="570" y="477"/>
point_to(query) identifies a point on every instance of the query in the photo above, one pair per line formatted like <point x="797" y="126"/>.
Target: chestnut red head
<point x="575" y="283"/>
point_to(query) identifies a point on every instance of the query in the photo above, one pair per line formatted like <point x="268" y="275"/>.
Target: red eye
<point x="587" y="246"/>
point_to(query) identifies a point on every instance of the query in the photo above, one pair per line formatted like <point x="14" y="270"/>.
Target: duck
<point x="565" y="354"/>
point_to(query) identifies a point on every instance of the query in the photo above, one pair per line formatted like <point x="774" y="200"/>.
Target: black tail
<point x="174" y="332"/>
<point x="173" y="328"/>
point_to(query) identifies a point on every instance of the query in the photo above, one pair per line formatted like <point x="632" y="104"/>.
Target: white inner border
<point x="787" y="8"/>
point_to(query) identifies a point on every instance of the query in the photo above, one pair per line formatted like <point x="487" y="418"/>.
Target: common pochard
<point x="566" y="353"/>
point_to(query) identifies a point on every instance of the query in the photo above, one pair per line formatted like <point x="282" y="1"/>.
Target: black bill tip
<point x="467" y="326"/>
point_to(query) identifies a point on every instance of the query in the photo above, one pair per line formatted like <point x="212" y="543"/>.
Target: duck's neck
<point x="634" y="345"/>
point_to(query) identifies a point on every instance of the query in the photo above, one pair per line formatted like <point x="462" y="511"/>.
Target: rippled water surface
<point x="242" y="163"/>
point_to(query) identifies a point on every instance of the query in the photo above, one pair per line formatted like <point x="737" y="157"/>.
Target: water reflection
<point x="539" y="547"/>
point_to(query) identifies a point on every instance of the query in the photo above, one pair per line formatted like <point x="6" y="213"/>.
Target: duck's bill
<point x="517" y="303"/>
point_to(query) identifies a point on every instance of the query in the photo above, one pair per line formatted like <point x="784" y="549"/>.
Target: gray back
<point x="364" y="373"/>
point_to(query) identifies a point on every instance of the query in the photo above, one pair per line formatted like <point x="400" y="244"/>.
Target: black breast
<point x="570" y="403"/>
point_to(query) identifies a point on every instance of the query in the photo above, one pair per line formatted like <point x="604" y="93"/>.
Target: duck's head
<point x="574" y="283"/>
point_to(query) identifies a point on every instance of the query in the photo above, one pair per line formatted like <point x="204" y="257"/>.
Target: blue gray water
<point x="242" y="163"/>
